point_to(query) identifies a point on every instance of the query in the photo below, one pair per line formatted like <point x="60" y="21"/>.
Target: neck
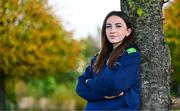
<point x="116" y="44"/>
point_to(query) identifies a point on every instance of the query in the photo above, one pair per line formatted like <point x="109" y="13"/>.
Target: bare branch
<point x="165" y="1"/>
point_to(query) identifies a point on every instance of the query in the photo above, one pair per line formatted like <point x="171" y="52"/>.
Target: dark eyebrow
<point x="118" y="24"/>
<point x="108" y="24"/>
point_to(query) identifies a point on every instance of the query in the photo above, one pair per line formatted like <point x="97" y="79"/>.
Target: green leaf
<point x="140" y="11"/>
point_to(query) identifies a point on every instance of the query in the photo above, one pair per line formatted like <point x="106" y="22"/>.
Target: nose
<point x="113" y="30"/>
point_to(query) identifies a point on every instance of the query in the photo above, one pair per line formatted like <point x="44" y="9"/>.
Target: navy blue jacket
<point x="124" y="77"/>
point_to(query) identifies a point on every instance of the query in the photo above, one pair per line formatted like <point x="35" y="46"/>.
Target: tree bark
<point x="156" y="60"/>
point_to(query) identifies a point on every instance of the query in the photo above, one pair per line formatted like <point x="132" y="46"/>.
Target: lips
<point x="112" y="36"/>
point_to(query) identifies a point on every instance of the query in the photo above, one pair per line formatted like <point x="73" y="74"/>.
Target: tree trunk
<point x="155" y="74"/>
<point x="2" y="76"/>
<point x="178" y="89"/>
<point x="2" y="91"/>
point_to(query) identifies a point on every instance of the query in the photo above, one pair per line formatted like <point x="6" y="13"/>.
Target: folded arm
<point x="124" y="78"/>
<point x="83" y="90"/>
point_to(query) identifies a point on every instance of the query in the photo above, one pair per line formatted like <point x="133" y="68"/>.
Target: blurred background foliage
<point x="172" y="37"/>
<point x="39" y="58"/>
<point x="41" y="61"/>
<point x="33" y="41"/>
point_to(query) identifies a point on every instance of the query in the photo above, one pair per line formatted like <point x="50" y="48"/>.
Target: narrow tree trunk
<point x="155" y="94"/>
<point x="2" y="76"/>
<point x="178" y="89"/>
<point x="2" y="91"/>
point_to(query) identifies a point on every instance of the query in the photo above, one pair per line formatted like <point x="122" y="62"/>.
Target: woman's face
<point x="116" y="30"/>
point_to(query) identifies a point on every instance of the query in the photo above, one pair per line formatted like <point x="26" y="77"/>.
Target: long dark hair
<point x="107" y="50"/>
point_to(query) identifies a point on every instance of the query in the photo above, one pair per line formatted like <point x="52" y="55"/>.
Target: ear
<point x="128" y="31"/>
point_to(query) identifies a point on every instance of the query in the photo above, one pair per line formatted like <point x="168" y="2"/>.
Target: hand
<point x="112" y="97"/>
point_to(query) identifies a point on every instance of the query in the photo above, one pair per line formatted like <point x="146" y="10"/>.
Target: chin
<point x="115" y="42"/>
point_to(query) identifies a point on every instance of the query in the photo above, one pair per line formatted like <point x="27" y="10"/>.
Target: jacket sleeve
<point x="83" y="90"/>
<point x="126" y="75"/>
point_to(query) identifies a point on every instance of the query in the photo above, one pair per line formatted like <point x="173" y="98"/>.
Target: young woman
<point x="112" y="80"/>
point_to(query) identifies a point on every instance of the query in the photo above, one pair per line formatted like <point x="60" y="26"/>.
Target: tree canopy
<point x="33" y="41"/>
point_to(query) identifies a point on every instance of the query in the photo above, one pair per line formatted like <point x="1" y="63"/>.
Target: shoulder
<point x="131" y="55"/>
<point x="95" y="56"/>
<point x="133" y="45"/>
<point x="132" y="49"/>
<point x="93" y="59"/>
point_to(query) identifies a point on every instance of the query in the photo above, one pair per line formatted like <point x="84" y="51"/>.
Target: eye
<point x="108" y="26"/>
<point x="118" y="26"/>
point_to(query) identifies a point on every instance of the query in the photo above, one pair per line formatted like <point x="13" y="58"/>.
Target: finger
<point x="110" y="97"/>
<point x="122" y="93"/>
